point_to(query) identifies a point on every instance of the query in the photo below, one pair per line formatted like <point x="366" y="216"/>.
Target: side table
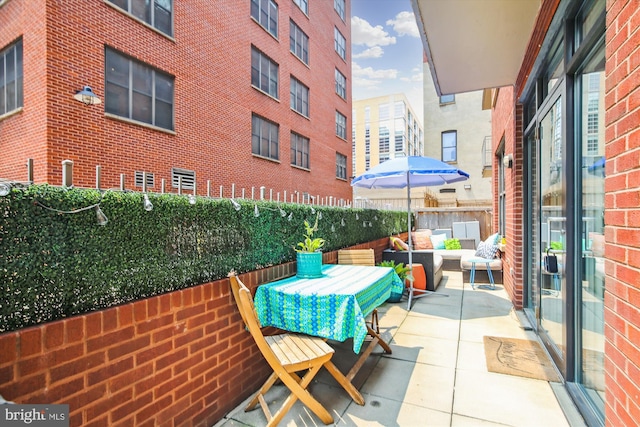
<point x="472" y="274"/>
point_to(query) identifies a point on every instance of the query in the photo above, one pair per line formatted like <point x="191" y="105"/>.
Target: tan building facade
<point x="384" y="128"/>
<point x="458" y="131"/>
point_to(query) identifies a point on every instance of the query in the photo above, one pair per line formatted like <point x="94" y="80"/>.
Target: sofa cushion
<point x="455" y="253"/>
<point x="495" y="264"/>
<point x="421" y="239"/>
<point x="397" y="244"/>
<point x="437" y="262"/>
<point x="438" y="240"/>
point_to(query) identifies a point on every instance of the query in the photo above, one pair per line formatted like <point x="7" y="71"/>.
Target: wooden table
<point x="333" y="306"/>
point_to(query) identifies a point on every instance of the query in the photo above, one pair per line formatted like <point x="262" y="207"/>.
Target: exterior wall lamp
<point x="86" y="96"/>
<point x="507" y="161"/>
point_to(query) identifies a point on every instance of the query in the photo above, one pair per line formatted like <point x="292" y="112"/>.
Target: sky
<point x="386" y="51"/>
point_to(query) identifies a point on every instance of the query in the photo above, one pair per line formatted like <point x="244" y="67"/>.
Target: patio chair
<point x="360" y="257"/>
<point x="288" y="354"/>
<point x="356" y="257"/>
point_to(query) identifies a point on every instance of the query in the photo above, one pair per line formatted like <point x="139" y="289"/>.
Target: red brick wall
<point x="181" y="358"/>
<point x="506" y="123"/>
<point x="622" y="213"/>
<point x="210" y="55"/>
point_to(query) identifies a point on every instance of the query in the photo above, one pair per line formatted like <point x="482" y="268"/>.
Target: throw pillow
<point x="452" y="244"/>
<point x="438" y="240"/>
<point x="421" y="240"/>
<point x="486" y="250"/>
<point x="397" y="244"/>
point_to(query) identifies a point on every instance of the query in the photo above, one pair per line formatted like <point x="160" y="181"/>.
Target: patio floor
<point x="437" y="375"/>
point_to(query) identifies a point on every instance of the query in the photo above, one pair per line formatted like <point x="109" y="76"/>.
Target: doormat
<point x="523" y="358"/>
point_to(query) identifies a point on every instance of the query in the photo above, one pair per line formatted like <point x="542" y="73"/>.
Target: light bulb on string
<point x="282" y="212"/>
<point x="319" y="215"/>
<point x="313" y="211"/>
<point x="100" y="216"/>
<point x="333" y="228"/>
<point x="290" y="217"/>
<point x="192" y="199"/>
<point x="235" y="204"/>
<point x="357" y="217"/>
<point x="148" y="206"/>
<point x="256" y="212"/>
<point x="342" y="222"/>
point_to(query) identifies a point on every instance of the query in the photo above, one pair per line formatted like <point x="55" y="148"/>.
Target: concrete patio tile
<point x="431" y="327"/>
<point x="422" y="349"/>
<point x="383" y="412"/>
<point x="333" y="399"/>
<point x="419" y="384"/>
<point x="461" y="421"/>
<point x="471" y="356"/>
<point x="506" y="399"/>
<point x="434" y="308"/>
<point x="493" y="326"/>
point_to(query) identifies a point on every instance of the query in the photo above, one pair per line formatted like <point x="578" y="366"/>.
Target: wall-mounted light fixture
<point x="507" y="161"/>
<point x="467" y="186"/>
<point x="86" y="96"/>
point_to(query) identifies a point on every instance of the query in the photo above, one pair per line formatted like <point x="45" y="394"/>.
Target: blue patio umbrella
<point x="409" y="172"/>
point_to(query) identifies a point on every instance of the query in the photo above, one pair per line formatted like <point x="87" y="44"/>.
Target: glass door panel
<point x="591" y="105"/>
<point x="552" y="228"/>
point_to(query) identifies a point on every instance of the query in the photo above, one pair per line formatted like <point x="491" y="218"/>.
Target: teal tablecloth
<point x="333" y="306"/>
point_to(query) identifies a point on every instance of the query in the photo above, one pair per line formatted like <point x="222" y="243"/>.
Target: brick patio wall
<point x="181" y="358"/>
<point x="622" y="213"/>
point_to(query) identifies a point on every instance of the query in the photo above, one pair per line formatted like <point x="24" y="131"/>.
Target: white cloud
<point x="362" y="33"/>
<point x="404" y="24"/>
<point x="415" y="77"/>
<point x="373" y="52"/>
<point x="370" y="73"/>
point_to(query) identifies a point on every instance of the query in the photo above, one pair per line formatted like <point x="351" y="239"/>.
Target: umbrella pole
<point x="410" y="243"/>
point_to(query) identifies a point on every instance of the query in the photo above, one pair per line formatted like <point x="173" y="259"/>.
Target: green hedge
<point x="55" y="265"/>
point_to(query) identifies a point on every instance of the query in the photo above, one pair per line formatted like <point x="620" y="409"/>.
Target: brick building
<point x="252" y="93"/>
<point x="562" y="78"/>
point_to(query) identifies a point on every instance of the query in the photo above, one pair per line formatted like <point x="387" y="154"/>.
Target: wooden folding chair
<point x="360" y="257"/>
<point x="356" y="257"/>
<point x="288" y="354"/>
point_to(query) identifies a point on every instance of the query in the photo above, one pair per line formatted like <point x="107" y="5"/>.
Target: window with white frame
<point x="298" y="42"/>
<point x="11" y="79"/>
<point x="265" y="12"/>
<point x="341" y="84"/>
<point x="265" y="139"/>
<point x="137" y="91"/>
<point x="157" y="13"/>
<point x="340" y="43"/>
<point x="264" y="73"/>
<point x="299" y="150"/>
<point x="339" y="6"/>
<point x="341" y="125"/>
<point x="299" y="97"/>
<point x="341" y="166"/>
<point x="303" y="5"/>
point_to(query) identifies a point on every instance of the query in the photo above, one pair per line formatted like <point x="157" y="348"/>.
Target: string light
<point x="148" y="206"/>
<point x="235" y="204"/>
<point x="192" y="199"/>
<point x="256" y="212"/>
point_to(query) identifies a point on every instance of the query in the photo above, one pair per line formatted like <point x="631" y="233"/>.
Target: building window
<point x="264" y="73"/>
<point x="341" y="125"/>
<point x="341" y="84"/>
<point x="341" y="166"/>
<point x="299" y="97"/>
<point x="339" y="6"/>
<point x="447" y="99"/>
<point x="298" y="42"/>
<point x="183" y="179"/>
<point x="299" y="150"/>
<point x="157" y="13"/>
<point x="11" y="78"/>
<point x="265" y="12"/>
<point x="303" y="5"/>
<point x="137" y="91"/>
<point x="265" y="138"/>
<point x="450" y="146"/>
<point x="383" y="139"/>
<point x="340" y="43"/>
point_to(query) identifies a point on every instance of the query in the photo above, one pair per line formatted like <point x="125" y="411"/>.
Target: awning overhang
<point x="474" y="44"/>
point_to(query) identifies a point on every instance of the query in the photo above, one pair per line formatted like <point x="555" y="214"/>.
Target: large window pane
<point x="11" y="78"/>
<point x="130" y="91"/>
<point x="156" y="13"/>
<point x="450" y="146"/>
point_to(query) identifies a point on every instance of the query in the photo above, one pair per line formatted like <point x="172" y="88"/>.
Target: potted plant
<point x="309" y="257"/>
<point x="402" y="271"/>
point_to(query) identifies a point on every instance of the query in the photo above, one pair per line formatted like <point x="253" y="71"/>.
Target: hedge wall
<point x="56" y="261"/>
